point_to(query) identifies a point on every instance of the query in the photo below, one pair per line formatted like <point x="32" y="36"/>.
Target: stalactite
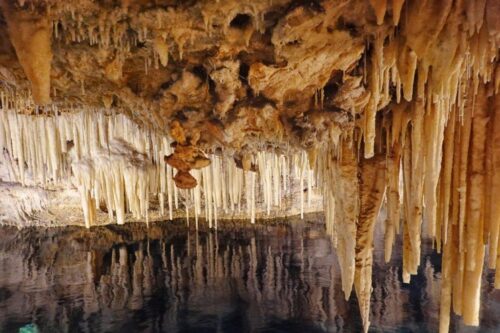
<point x="393" y="200"/>
<point x="446" y="279"/>
<point x="397" y="5"/>
<point x="445" y="182"/>
<point x="346" y="213"/>
<point x="494" y="186"/>
<point x="413" y="175"/>
<point x="370" y="113"/>
<point x="31" y="38"/>
<point x="407" y="65"/>
<point x="372" y="188"/>
<point x="380" y="7"/>
<point x="473" y="229"/>
<point x="327" y="178"/>
<point x="434" y="124"/>
<point x="393" y="173"/>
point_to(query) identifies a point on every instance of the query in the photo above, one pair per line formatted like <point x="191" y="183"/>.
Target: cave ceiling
<point x="243" y="74"/>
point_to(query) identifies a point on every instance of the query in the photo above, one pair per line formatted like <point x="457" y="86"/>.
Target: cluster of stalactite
<point x="432" y="153"/>
<point x="117" y="166"/>
<point x="437" y="170"/>
<point x="439" y="173"/>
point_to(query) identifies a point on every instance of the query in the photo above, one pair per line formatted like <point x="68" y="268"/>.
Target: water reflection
<point x="282" y="277"/>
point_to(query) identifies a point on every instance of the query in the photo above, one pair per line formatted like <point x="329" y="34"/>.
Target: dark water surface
<point x="279" y="277"/>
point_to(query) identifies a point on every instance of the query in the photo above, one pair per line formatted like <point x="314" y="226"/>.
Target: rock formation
<point x="214" y="108"/>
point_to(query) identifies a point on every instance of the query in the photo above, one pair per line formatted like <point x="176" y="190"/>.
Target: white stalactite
<point x="115" y="163"/>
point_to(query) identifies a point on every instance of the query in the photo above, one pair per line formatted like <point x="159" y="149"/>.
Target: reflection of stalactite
<point x="387" y="299"/>
<point x="276" y="271"/>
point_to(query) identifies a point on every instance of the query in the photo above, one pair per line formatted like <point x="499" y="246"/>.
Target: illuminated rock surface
<point x="116" y="111"/>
